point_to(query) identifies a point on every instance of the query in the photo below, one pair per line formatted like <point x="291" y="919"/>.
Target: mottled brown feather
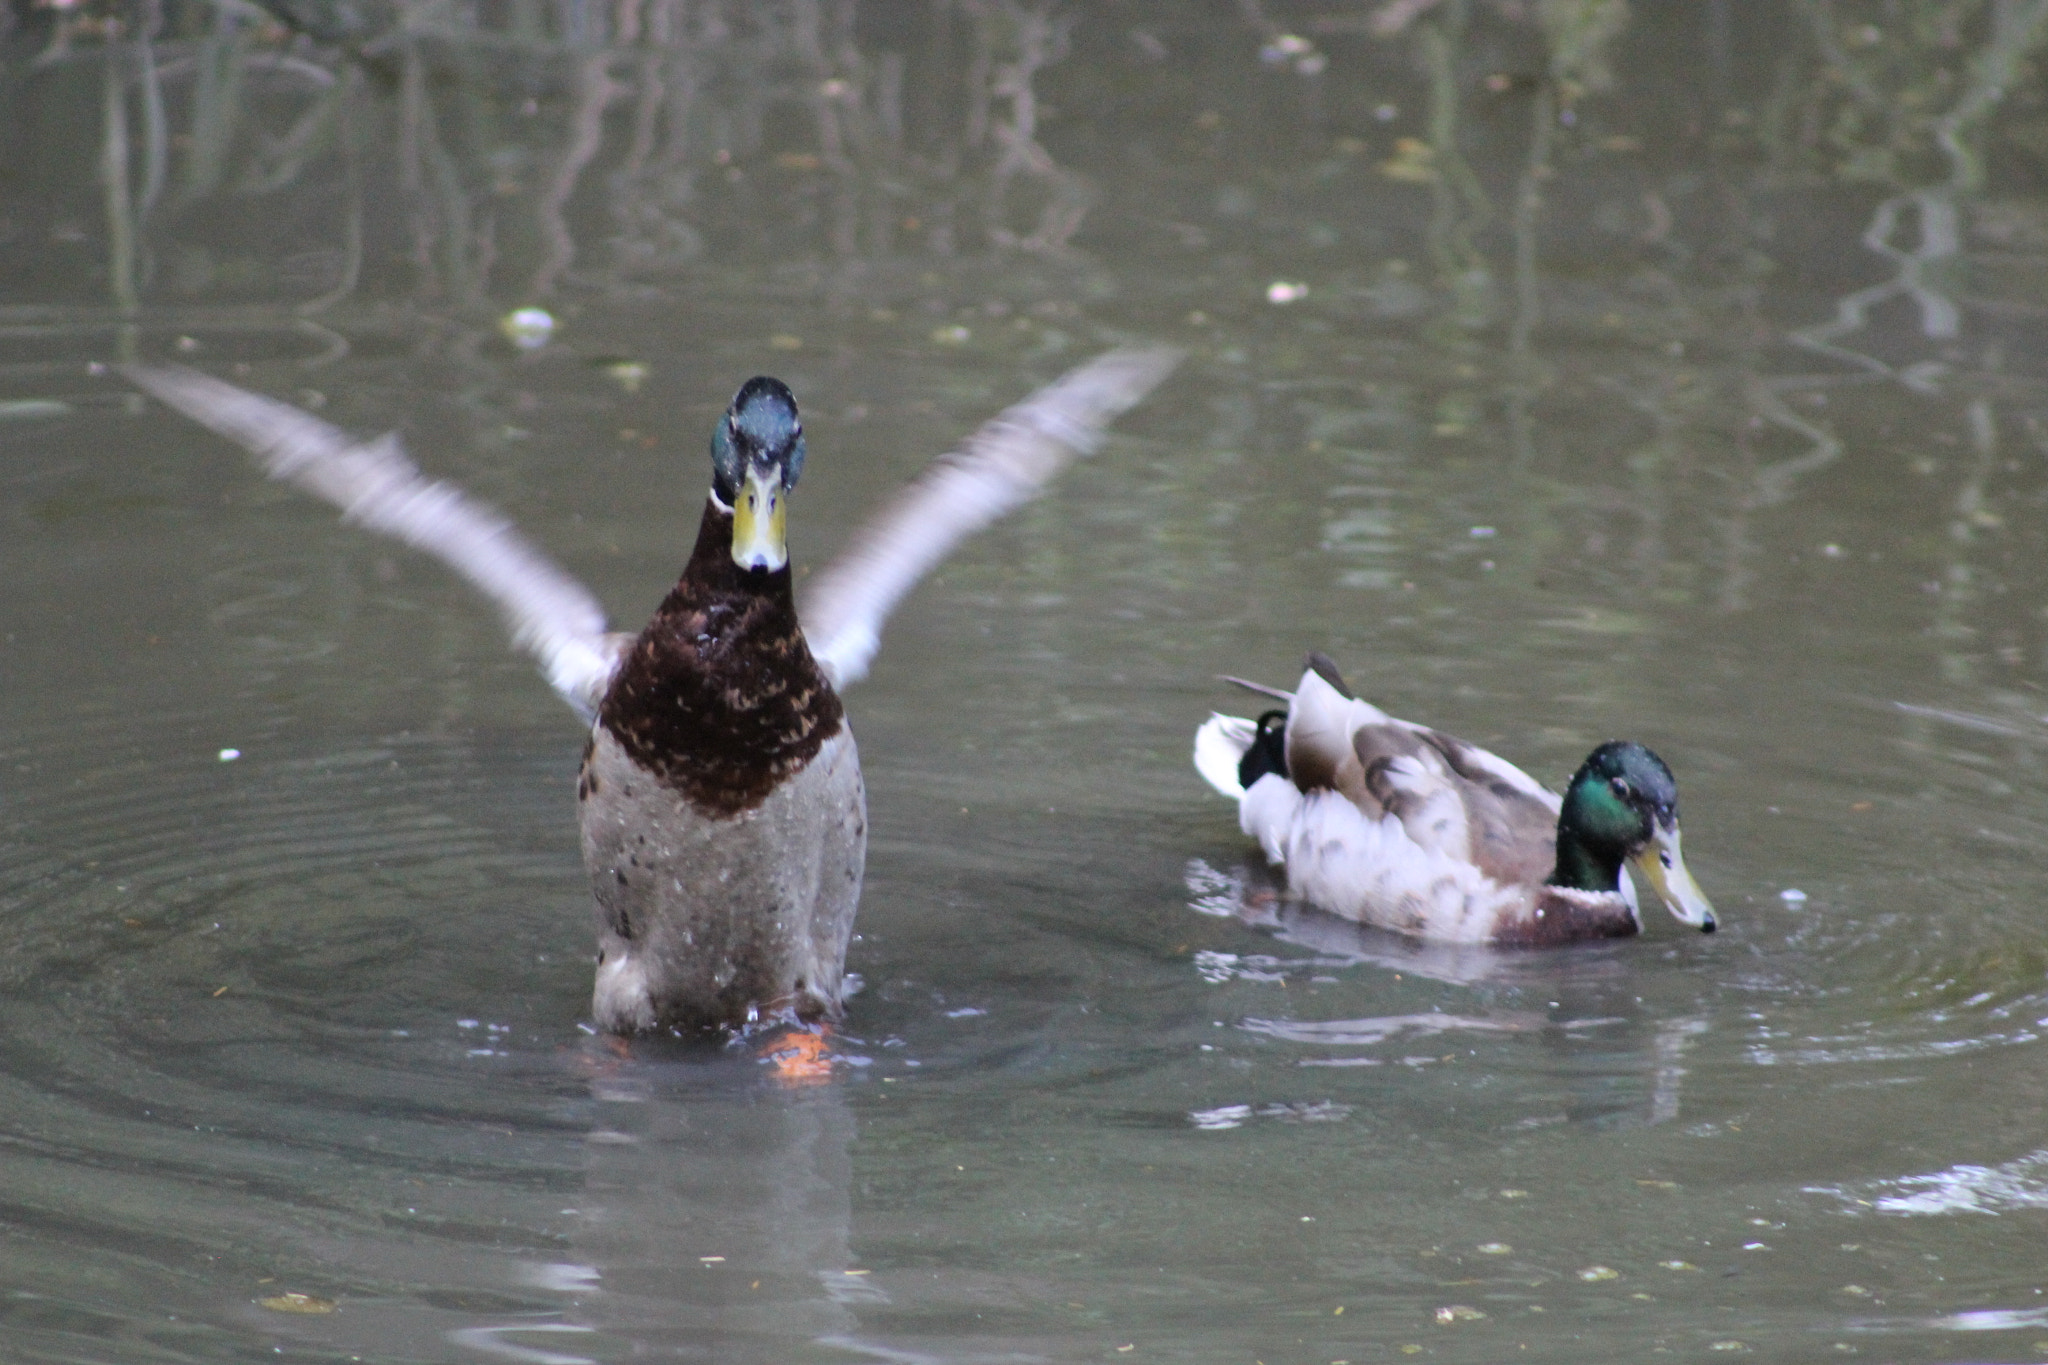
<point x="1511" y="834"/>
<point x="719" y="697"/>
<point x="1514" y="833"/>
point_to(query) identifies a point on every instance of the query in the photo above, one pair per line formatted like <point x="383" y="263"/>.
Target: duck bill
<point x="758" y="515"/>
<point x="1663" y="866"/>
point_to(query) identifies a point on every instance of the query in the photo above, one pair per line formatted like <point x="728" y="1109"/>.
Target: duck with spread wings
<point x="723" y="816"/>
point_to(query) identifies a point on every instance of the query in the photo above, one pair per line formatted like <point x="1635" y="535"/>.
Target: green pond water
<point x="1565" y="371"/>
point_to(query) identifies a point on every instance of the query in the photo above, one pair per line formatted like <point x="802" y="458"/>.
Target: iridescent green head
<point x="1622" y="806"/>
<point x="757" y="453"/>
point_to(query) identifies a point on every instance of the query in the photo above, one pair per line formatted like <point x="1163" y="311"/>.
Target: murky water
<point x="1678" y="381"/>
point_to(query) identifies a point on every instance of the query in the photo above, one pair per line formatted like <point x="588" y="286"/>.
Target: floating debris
<point x="952" y="335"/>
<point x="1413" y="161"/>
<point x="296" y="1303"/>
<point x="1286" y="291"/>
<point x="32" y="409"/>
<point x="1599" y="1272"/>
<point x="1494" y="1249"/>
<point x="627" y="374"/>
<point x="1458" y="1312"/>
<point x="1291" y="49"/>
<point x="1792" y="895"/>
<point x="528" y="328"/>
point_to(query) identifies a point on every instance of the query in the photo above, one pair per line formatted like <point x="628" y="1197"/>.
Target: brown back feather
<point x="1511" y="836"/>
<point x="1514" y="834"/>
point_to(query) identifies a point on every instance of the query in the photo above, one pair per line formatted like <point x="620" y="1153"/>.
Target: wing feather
<point x="552" y="617"/>
<point x="999" y="468"/>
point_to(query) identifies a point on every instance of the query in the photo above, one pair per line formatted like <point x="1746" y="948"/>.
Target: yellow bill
<point x="758" y="517"/>
<point x="1663" y="866"/>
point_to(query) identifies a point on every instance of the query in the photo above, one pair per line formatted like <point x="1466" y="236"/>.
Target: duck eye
<point x="1620" y="787"/>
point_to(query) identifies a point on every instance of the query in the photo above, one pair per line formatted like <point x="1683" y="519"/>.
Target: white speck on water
<point x="967" y="1012"/>
<point x="528" y="328"/>
<point x="465" y="1023"/>
<point x="1286" y="291"/>
<point x="1484" y="532"/>
<point x="1792" y="895"/>
<point x="230" y="755"/>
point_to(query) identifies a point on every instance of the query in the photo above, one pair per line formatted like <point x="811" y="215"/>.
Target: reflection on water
<point x="1577" y="369"/>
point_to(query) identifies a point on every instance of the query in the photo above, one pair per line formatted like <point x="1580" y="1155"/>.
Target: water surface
<point x="1565" y="373"/>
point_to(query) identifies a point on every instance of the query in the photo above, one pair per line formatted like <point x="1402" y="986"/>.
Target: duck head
<point x="757" y="452"/>
<point x="1622" y="806"/>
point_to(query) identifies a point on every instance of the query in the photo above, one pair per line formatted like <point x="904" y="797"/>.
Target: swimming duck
<point x="1405" y="828"/>
<point x="724" y="822"/>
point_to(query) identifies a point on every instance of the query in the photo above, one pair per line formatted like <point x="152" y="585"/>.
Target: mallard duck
<point x="723" y="817"/>
<point x="1405" y="828"/>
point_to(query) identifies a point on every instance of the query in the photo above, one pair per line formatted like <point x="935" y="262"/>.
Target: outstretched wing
<point x="552" y="616"/>
<point x="999" y="468"/>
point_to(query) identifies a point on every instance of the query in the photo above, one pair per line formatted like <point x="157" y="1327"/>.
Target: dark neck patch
<point x="720" y="698"/>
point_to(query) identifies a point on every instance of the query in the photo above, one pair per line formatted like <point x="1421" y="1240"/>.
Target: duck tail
<point x="1276" y="693"/>
<point x="1219" y="747"/>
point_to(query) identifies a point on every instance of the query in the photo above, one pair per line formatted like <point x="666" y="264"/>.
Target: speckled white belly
<point x="706" y="922"/>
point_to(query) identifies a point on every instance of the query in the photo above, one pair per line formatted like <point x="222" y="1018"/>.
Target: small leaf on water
<point x="32" y="409"/>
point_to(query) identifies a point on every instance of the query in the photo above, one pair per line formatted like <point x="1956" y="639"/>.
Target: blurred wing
<point x="1001" y="467"/>
<point x="552" y="616"/>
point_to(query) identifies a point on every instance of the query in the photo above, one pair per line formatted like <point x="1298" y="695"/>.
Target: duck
<point x="722" y="812"/>
<point x="1401" y="827"/>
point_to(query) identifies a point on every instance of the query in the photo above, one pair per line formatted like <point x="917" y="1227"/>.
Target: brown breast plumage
<point x="719" y="696"/>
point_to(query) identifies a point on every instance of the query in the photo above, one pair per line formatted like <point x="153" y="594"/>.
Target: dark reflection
<point x="714" y="1222"/>
<point x="1618" y="1063"/>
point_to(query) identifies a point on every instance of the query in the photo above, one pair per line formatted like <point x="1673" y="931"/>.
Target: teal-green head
<point x="757" y="453"/>
<point x="1622" y="806"/>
